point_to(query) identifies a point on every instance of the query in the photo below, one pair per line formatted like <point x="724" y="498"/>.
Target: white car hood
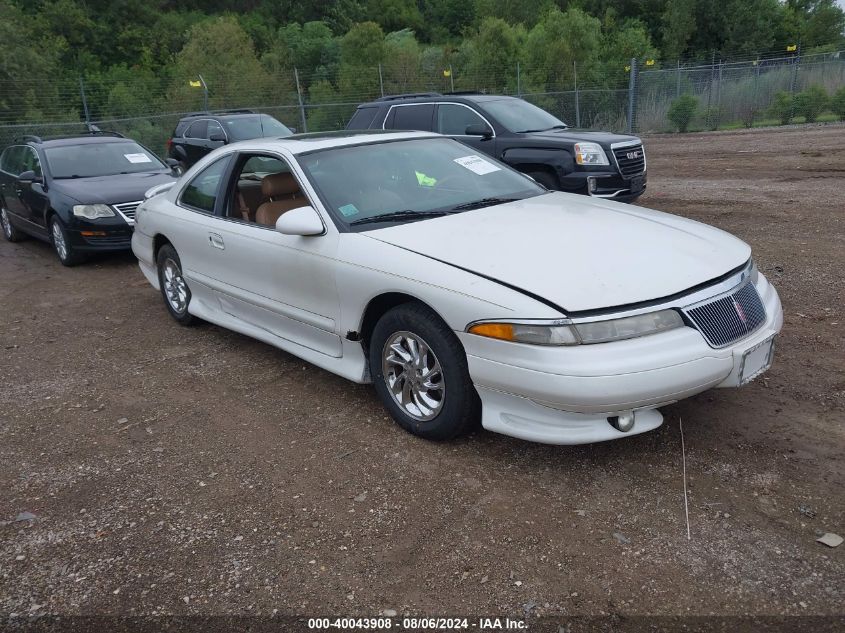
<point x="579" y="253"/>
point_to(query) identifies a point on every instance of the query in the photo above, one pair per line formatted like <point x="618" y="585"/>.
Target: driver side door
<point x="283" y="284"/>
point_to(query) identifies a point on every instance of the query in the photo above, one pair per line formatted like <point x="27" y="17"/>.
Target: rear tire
<point x="11" y="233"/>
<point x="61" y="244"/>
<point x="174" y="288"/>
<point x="549" y="181"/>
<point x="420" y="372"/>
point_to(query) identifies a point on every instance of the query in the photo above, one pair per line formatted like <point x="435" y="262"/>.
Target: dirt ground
<point x="196" y="471"/>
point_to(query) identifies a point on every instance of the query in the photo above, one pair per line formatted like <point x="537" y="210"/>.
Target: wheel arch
<point x="379" y="305"/>
<point x="158" y="241"/>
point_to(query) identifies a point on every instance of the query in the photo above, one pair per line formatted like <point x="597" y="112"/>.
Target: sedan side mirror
<point x="300" y="221"/>
<point x="292" y="129"/>
<point x="217" y="138"/>
<point x="29" y="176"/>
<point x="479" y="129"/>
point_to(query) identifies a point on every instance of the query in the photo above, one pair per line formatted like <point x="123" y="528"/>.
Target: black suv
<point x="198" y="134"/>
<point x="78" y="193"/>
<point x="522" y="135"/>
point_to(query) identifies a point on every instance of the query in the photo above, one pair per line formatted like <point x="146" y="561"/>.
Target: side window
<point x="10" y="162"/>
<point x="413" y="117"/>
<point x="453" y="119"/>
<point x="197" y="130"/>
<point x="202" y="192"/>
<point x="264" y="189"/>
<point x="30" y="161"/>
<point x="362" y="119"/>
<point x="215" y="128"/>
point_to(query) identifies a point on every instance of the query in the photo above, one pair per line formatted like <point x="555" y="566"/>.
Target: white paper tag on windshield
<point x="138" y="158"/>
<point x="477" y="164"/>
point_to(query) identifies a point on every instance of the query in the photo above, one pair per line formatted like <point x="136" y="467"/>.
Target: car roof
<point x="303" y="143"/>
<point x="456" y="97"/>
<point x="80" y="140"/>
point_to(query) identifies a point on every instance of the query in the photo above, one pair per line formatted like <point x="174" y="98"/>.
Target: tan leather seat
<point x="283" y="194"/>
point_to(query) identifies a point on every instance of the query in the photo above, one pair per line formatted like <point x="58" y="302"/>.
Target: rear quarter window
<point x="412" y="117"/>
<point x="362" y="119"/>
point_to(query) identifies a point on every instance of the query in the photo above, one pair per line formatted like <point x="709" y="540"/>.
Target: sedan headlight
<point x="590" y="154"/>
<point x="562" y="333"/>
<point x="92" y="211"/>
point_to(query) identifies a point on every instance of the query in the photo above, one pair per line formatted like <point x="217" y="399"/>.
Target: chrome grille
<point x="127" y="210"/>
<point x="729" y="318"/>
<point x="630" y="160"/>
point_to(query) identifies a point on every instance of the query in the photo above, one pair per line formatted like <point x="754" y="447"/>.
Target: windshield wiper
<point x="484" y="202"/>
<point x="406" y="214"/>
<point x="546" y="129"/>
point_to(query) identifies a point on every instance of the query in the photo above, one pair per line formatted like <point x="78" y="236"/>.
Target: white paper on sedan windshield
<point x="138" y="158"/>
<point x="476" y="164"/>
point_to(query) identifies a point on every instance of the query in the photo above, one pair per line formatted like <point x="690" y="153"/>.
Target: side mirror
<point x="154" y="191"/>
<point x="217" y="138"/>
<point x="29" y="176"/>
<point x="292" y="129"/>
<point x="300" y="221"/>
<point x="175" y="166"/>
<point x="479" y="129"/>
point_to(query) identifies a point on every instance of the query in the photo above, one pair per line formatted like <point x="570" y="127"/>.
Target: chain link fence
<point x="728" y="93"/>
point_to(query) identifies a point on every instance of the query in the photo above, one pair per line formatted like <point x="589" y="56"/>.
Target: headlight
<point x="557" y="333"/>
<point x="590" y="154"/>
<point x="92" y="211"/>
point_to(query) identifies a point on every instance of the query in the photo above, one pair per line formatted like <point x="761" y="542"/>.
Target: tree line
<point x="138" y="56"/>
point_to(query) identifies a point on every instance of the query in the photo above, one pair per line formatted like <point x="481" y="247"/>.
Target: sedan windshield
<point x="414" y="179"/>
<point x="87" y="160"/>
<point x="261" y="125"/>
<point x="520" y="116"/>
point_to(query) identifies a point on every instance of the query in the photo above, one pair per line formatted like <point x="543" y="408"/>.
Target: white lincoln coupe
<point x="460" y="288"/>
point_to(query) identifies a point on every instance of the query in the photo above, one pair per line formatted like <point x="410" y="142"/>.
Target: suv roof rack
<point x="26" y="138"/>
<point x="409" y="95"/>
<point x="464" y="92"/>
<point x="219" y="112"/>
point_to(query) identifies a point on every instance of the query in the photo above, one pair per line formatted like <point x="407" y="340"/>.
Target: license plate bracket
<point x="637" y="183"/>
<point x="756" y="360"/>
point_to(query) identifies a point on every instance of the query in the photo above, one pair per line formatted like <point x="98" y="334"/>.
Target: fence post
<point x="380" y="79"/>
<point x="793" y="83"/>
<point x="301" y="104"/>
<point x="518" y="82"/>
<point x="708" y="112"/>
<point x="577" y="100"/>
<point x="719" y="96"/>
<point x="84" y="101"/>
<point x="678" y="87"/>
<point x="632" y="97"/>
<point x="204" y="94"/>
<point x="451" y="78"/>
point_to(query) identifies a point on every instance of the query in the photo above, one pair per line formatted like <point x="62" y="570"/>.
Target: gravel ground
<point x="173" y="471"/>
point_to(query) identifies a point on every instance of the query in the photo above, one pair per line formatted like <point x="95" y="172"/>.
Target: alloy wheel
<point x="175" y="288"/>
<point x="59" y="240"/>
<point x="413" y="376"/>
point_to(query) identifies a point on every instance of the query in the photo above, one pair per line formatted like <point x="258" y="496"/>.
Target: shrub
<point x="811" y="102"/>
<point x="837" y="103"/>
<point x="781" y="107"/>
<point x="682" y="110"/>
<point x="712" y="116"/>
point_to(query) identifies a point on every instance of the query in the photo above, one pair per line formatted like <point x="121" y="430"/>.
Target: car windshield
<point x="246" y="127"/>
<point x="400" y="181"/>
<point x="101" y="159"/>
<point x="520" y="116"/>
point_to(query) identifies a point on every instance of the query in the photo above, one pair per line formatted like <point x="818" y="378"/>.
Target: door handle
<point x="216" y="241"/>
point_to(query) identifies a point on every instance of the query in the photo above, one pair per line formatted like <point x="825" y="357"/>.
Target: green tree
<point x="810" y="103"/>
<point x="682" y="111"/>
<point x="394" y="15"/>
<point x="781" y="107"/>
<point x="222" y="52"/>
<point x="490" y="57"/>
<point x="362" y="49"/>
<point x="402" y="64"/>
<point x="678" y="27"/>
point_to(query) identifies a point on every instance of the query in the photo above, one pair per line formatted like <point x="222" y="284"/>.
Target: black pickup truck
<point x="522" y="135"/>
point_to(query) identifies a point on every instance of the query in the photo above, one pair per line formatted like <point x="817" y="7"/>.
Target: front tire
<point x="61" y="244"/>
<point x="174" y="288"/>
<point x="420" y="373"/>
<point x="548" y="180"/>
<point x="11" y="233"/>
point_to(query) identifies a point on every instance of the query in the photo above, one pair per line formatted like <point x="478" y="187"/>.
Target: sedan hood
<point x="579" y="253"/>
<point x="110" y="189"/>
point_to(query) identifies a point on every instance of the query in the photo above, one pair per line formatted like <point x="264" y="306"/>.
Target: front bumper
<point x="565" y="395"/>
<point x="605" y="185"/>
<point x="99" y="236"/>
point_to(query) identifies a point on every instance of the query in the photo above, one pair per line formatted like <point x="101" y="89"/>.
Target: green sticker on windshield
<point x="425" y="181"/>
<point x="348" y="210"/>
